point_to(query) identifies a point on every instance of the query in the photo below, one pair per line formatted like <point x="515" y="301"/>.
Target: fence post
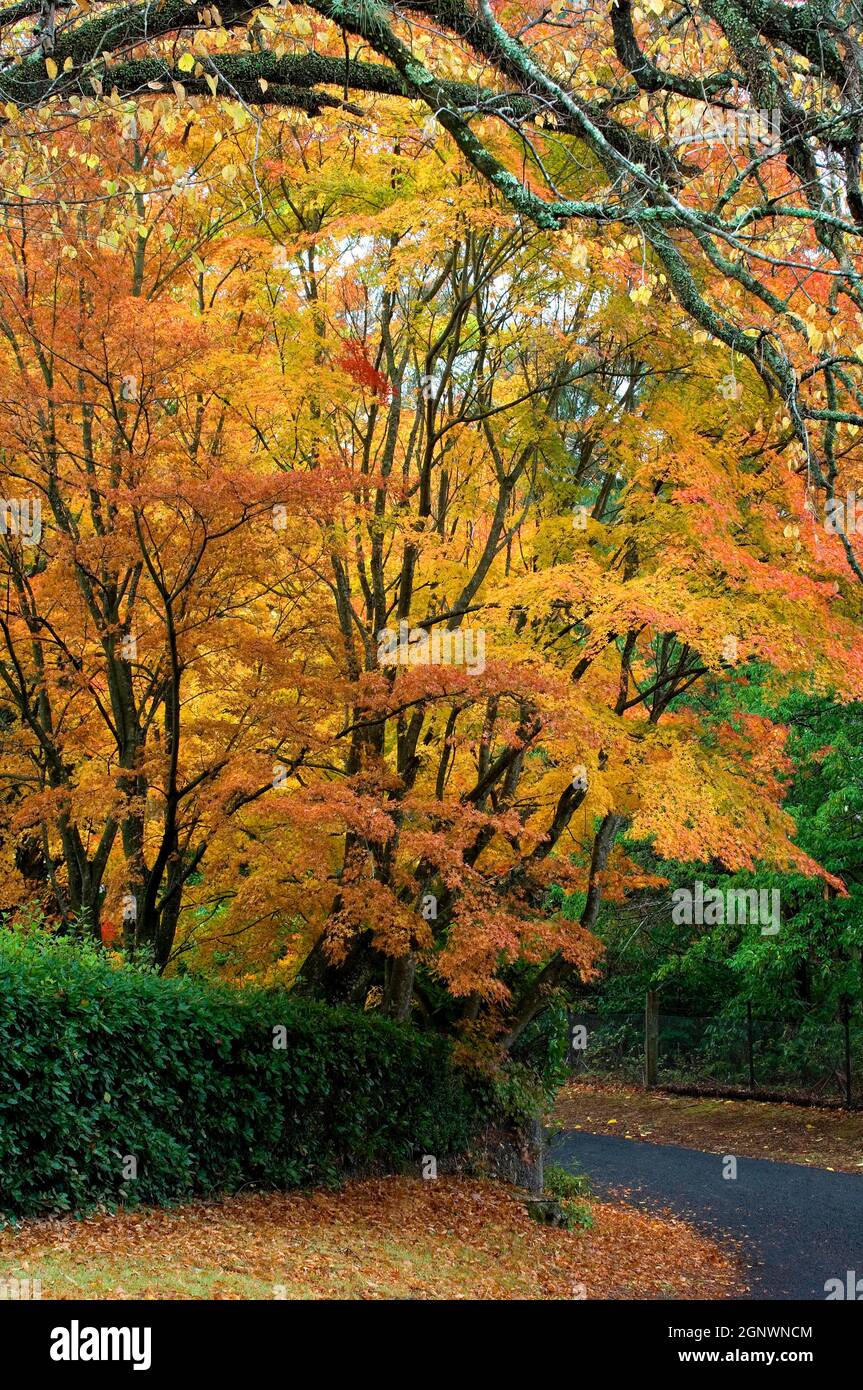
<point x="846" y="1021"/>
<point x="750" y="1046"/>
<point x="651" y="1037"/>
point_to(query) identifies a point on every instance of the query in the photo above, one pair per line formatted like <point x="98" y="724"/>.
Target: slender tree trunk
<point x="397" y="1000"/>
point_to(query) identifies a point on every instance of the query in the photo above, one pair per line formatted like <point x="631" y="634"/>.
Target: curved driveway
<point x="798" y="1226"/>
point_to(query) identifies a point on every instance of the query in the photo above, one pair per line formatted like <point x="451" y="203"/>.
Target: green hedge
<point x="99" y="1065"/>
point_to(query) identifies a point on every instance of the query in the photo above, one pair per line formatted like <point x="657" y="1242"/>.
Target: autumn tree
<point x="489" y="394"/>
<point x="139" y="640"/>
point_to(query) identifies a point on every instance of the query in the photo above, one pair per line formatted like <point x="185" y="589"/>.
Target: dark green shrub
<point x="103" y="1065"/>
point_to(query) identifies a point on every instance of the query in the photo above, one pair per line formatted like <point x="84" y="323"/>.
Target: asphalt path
<point x="797" y="1227"/>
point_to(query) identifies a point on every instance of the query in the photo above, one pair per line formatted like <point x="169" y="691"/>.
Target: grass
<point x="393" y="1238"/>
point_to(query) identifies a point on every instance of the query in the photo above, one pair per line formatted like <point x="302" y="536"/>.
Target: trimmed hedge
<point x="100" y="1065"/>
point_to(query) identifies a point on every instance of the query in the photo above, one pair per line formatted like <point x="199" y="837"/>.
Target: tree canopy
<point x="406" y="433"/>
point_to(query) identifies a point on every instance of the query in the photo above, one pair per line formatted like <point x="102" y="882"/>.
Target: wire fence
<point x="813" y="1058"/>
